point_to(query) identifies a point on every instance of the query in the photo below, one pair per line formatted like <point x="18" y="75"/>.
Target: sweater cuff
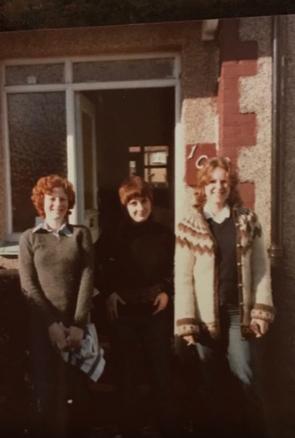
<point x="81" y="323"/>
<point x="264" y="312"/>
<point x="186" y="327"/>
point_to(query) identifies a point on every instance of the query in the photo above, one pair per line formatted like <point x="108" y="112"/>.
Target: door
<point x="87" y="190"/>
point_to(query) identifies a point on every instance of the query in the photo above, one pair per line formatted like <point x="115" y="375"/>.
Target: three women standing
<point x="56" y="272"/>
<point x="223" y="290"/>
<point x="222" y="281"/>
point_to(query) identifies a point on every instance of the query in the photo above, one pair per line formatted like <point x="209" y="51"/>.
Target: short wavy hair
<point x="45" y="186"/>
<point x="134" y="187"/>
<point x="204" y="176"/>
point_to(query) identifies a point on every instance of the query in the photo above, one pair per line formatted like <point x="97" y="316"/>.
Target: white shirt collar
<point x="219" y="217"/>
<point x="64" y="230"/>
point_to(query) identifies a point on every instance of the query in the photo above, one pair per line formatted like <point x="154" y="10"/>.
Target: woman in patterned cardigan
<point x="223" y="291"/>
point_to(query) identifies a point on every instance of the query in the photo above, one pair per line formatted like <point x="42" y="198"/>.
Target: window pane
<point x="123" y="70"/>
<point x="156" y="176"/>
<point x="155" y="155"/>
<point x="37" y="140"/>
<point x="34" y="74"/>
<point x="132" y="167"/>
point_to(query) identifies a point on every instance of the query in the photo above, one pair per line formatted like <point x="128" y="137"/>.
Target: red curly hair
<point x="45" y="185"/>
<point x="204" y="177"/>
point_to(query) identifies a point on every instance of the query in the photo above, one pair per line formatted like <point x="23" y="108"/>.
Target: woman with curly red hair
<point x="223" y="295"/>
<point x="56" y="272"/>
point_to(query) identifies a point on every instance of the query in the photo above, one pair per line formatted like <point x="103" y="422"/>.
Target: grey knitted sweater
<point x="56" y="274"/>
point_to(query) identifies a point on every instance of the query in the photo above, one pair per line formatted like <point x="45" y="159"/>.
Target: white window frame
<point x="70" y="88"/>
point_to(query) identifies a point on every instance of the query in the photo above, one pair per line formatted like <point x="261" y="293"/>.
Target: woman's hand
<point x="259" y="327"/>
<point x="112" y="305"/>
<point x="190" y="340"/>
<point x="74" y="337"/>
<point x="160" y="302"/>
<point x="57" y="335"/>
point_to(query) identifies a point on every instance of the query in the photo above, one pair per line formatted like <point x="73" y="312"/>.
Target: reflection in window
<point x="132" y="167"/>
<point x="156" y="176"/>
<point x="155" y="155"/>
<point x="155" y="163"/>
<point x="134" y="149"/>
<point x="37" y="143"/>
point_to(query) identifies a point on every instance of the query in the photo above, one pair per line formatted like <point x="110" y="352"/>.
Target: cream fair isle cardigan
<point x="196" y="282"/>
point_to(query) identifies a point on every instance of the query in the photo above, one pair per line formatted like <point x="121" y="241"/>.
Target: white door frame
<point x="82" y="104"/>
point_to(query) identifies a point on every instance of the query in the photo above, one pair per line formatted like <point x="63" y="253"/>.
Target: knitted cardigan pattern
<point x="196" y="279"/>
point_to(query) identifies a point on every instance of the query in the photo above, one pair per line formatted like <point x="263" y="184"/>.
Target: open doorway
<point x="122" y="132"/>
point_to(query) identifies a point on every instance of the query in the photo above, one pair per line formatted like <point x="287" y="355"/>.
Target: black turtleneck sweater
<point x="136" y="258"/>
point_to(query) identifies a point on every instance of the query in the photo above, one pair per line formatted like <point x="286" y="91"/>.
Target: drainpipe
<point x="276" y="247"/>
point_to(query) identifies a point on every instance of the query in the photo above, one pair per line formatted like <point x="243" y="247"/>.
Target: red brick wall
<point x="236" y="130"/>
<point x="192" y="155"/>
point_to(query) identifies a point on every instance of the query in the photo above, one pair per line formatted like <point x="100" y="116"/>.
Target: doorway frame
<point x="70" y="88"/>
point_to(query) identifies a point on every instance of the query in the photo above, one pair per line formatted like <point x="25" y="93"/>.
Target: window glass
<point x="155" y="155"/>
<point x="37" y="143"/>
<point x="123" y="70"/>
<point x="34" y="74"/>
<point x="156" y="176"/>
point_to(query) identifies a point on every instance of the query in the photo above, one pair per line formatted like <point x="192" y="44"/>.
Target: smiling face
<point x="218" y="189"/>
<point x="139" y="209"/>
<point x="56" y="205"/>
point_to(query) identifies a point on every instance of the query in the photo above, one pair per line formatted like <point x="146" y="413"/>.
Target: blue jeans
<point x="228" y="389"/>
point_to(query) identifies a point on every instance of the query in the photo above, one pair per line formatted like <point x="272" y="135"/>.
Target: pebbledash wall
<point x="226" y="95"/>
<point x="288" y="144"/>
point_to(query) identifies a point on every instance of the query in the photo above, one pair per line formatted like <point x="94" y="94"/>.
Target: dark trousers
<point x="60" y="391"/>
<point x="142" y="342"/>
<point x="231" y="400"/>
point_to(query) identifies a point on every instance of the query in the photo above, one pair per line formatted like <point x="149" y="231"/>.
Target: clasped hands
<point x="160" y="303"/>
<point x="65" y="338"/>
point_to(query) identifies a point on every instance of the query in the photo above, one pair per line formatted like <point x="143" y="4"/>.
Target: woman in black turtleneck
<point x="137" y="267"/>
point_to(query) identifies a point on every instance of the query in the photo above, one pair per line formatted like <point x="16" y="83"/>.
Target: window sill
<point x="9" y="249"/>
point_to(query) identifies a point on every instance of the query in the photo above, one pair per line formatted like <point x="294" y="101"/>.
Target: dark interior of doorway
<point x="128" y="118"/>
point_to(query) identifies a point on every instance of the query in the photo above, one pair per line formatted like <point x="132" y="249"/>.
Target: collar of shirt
<point x="64" y="230"/>
<point x="219" y="217"/>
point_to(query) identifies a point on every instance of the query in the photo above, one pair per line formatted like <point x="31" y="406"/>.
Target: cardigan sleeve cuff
<point x="264" y="312"/>
<point x="186" y="327"/>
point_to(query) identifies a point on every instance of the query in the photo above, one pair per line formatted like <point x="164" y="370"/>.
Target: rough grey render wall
<point x="289" y="150"/>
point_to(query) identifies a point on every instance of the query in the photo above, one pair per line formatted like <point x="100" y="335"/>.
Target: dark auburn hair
<point x="45" y="186"/>
<point x="134" y="187"/>
<point x="204" y="176"/>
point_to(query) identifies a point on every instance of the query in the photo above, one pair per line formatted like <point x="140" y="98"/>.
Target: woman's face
<point x="218" y="188"/>
<point x="56" y="205"/>
<point x="139" y="209"/>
